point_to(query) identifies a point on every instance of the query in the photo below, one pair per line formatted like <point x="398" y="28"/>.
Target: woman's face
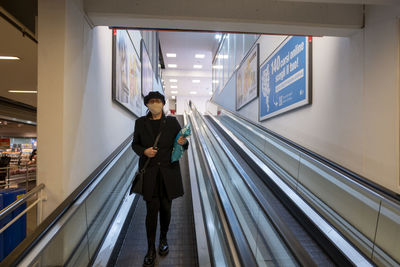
<point x="155" y="105"/>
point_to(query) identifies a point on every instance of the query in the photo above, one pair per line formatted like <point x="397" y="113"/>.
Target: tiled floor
<point x="181" y="236"/>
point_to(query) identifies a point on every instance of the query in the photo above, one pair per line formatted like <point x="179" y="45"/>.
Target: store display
<point x="14" y="157"/>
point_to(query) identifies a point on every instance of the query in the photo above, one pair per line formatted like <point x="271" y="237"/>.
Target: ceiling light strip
<point x="22" y="92"/>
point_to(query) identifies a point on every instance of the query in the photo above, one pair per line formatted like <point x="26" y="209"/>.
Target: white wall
<point x="354" y="117"/>
<point x="78" y="123"/>
<point x="199" y="101"/>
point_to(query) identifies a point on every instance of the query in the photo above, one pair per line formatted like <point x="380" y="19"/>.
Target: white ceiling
<point x="186" y="45"/>
<point x="21" y="74"/>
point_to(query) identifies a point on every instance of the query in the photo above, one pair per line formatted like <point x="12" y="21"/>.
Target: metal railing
<point x="73" y="233"/>
<point x="366" y="215"/>
<point x="15" y="176"/>
<point x="37" y="192"/>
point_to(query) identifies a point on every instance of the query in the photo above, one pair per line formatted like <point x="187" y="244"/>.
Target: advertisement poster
<point x="126" y="73"/>
<point x="285" y="77"/>
<point x="247" y="79"/>
<point x="147" y="72"/>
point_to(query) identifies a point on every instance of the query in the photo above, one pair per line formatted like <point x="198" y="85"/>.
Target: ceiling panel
<point x="20" y="74"/>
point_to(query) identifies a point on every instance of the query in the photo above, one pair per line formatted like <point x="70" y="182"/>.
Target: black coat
<point x="143" y="138"/>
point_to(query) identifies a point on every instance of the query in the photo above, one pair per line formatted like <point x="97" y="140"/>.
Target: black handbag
<point x="137" y="183"/>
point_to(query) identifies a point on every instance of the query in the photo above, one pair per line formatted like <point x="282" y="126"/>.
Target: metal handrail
<point x="42" y="235"/>
<point x="383" y="192"/>
<point x="291" y="241"/>
<point x="246" y="257"/>
<point x="345" y="247"/>
<point x="10" y="208"/>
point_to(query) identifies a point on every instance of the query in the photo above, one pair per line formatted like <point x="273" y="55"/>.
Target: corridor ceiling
<point x="185" y="78"/>
<point x="20" y="74"/>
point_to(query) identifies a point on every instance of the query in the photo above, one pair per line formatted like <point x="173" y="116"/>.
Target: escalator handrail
<point x="28" y="243"/>
<point x="245" y="255"/>
<point x="290" y="240"/>
<point x="340" y="242"/>
<point x="382" y="191"/>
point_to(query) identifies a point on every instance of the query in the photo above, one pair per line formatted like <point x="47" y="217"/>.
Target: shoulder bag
<point x="137" y="183"/>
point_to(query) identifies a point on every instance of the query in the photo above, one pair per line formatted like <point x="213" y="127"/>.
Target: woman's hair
<point x="33" y="154"/>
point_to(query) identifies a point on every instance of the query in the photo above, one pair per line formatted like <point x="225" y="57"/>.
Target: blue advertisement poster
<point x="284" y="78"/>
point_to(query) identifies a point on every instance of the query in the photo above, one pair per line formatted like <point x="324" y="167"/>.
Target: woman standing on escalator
<point x="162" y="181"/>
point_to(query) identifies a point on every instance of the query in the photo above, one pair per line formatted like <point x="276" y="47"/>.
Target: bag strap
<point x="148" y="159"/>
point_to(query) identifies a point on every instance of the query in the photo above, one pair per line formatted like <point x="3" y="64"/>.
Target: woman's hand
<point x="182" y="140"/>
<point x="150" y="152"/>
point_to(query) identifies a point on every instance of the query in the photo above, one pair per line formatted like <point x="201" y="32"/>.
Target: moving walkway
<point x="248" y="202"/>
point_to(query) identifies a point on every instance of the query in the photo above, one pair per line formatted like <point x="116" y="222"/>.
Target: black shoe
<point x="150" y="258"/>
<point x="163" y="248"/>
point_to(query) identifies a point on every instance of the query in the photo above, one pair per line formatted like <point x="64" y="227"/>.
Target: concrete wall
<point x="354" y="117"/>
<point x="78" y="123"/>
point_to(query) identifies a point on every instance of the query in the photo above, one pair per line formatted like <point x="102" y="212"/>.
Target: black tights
<point x="153" y="206"/>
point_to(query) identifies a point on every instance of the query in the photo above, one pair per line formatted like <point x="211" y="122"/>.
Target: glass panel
<point x="273" y="253"/>
<point x="342" y="202"/>
<point x="224" y="63"/>
<point x="249" y="40"/>
<point x="218" y="244"/>
<point x="232" y="54"/>
<point x="72" y="235"/>
<point x="80" y="236"/>
<point x="214" y="78"/>
<point x="246" y="208"/>
<point x="349" y="207"/>
<point x="104" y="201"/>
<point x="219" y="74"/>
<point x="268" y="148"/>
<point x="227" y="55"/>
<point x="239" y="50"/>
<point x="388" y="235"/>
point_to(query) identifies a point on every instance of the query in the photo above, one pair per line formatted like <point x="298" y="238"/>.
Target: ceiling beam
<point x="253" y="16"/>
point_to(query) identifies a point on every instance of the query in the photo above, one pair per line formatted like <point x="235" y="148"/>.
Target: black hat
<point x="152" y="95"/>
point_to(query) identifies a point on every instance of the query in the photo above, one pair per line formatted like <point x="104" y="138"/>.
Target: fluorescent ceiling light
<point x="218" y="36"/>
<point x="22" y="92"/>
<point x="173" y="80"/>
<point x="199" y="56"/>
<point x="171" y="55"/>
<point x="210" y="93"/>
<point x="193" y="92"/>
<point x="197" y="66"/>
<point x="174" y="92"/>
<point x="9" y="58"/>
<point x="172" y="66"/>
<point x="223" y="56"/>
<point x="174" y="86"/>
<point x="196" y="81"/>
<point x="219" y="67"/>
<point x="173" y="97"/>
<point x="215" y="81"/>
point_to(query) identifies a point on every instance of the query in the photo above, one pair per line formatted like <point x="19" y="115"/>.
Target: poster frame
<point x="293" y="107"/>
<point x="113" y="72"/>
<point x="256" y="47"/>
